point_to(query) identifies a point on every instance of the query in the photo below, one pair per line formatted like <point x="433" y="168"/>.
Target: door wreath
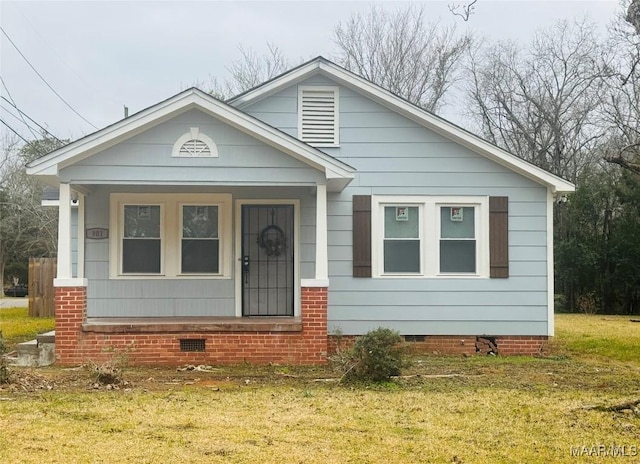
<point x="272" y="240"/>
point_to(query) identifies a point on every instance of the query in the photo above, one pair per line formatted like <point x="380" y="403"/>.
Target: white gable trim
<point x="338" y="174"/>
<point x="409" y="110"/>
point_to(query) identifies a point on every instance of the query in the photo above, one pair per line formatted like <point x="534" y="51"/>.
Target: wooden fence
<point x="41" y="274"/>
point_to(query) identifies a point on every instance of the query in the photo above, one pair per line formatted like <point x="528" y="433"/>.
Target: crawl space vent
<point x="188" y="344"/>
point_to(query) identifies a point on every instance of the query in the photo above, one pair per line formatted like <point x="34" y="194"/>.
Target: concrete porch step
<point x="35" y="353"/>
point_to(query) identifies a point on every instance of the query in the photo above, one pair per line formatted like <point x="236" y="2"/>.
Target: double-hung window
<point x="430" y="236"/>
<point x="458" y="245"/>
<point x="402" y="239"/>
<point x="142" y="239"/>
<point x="200" y="241"/>
<point x="160" y="235"/>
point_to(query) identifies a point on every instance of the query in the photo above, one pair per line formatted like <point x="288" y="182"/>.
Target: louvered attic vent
<point x="195" y="147"/>
<point x="318" y="116"/>
<point x="194" y="144"/>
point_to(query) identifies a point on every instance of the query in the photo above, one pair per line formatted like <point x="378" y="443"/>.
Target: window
<point x="457" y="239"/>
<point x="200" y="243"/>
<point x="430" y="236"/>
<point x="141" y="243"/>
<point x="318" y="116"/>
<point x="170" y="235"/>
<point x="402" y="238"/>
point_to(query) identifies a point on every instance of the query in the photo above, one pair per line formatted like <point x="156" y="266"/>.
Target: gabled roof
<point x="395" y="103"/>
<point x="338" y="174"/>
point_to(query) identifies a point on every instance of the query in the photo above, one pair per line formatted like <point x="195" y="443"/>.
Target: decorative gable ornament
<point x="194" y="144"/>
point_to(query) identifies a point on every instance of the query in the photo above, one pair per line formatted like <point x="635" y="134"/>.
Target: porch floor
<point x="191" y="324"/>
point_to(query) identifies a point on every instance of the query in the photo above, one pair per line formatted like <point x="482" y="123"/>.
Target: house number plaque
<point x="97" y="233"/>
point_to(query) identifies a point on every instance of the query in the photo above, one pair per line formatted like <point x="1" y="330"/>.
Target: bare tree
<point x="248" y="71"/>
<point x="399" y="51"/>
<point x="621" y="102"/>
<point x="543" y="103"/>
<point x="26" y="228"/>
<point x="463" y="10"/>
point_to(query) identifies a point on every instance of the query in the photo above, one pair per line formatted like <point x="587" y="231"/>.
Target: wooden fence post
<point x="41" y="295"/>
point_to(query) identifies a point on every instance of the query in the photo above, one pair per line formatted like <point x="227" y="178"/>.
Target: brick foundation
<point x="310" y="345"/>
<point x="75" y="346"/>
<point x="458" y="345"/>
<point x="521" y="345"/>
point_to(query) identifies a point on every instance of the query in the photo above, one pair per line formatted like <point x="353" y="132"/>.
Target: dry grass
<point x="16" y="325"/>
<point x="471" y="410"/>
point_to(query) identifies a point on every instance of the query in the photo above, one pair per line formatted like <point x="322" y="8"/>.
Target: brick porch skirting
<point x="302" y="341"/>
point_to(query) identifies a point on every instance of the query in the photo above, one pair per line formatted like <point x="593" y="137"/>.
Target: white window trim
<point x="336" y="114"/>
<point x="170" y="234"/>
<point x="430" y="234"/>
<point x="194" y="134"/>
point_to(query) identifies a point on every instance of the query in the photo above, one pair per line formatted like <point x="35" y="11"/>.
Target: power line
<point x="107" y="93"/>
<point x="34" y="145"/>
<point x="16" y="132"/>
<point x="44" y="80"/>
<point x="18" y="118"/>
<point x="31" y="119"/>
<point x="9" y="93"/>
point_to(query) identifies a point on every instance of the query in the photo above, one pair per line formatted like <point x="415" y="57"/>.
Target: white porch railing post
<point x="322" y="258"/>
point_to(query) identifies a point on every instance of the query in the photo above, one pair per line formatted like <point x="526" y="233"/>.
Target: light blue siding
<point x="394" y="155"/>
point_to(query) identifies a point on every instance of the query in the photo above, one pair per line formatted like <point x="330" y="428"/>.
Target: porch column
<point x="322" y="258"/>
<point x="64" y="271"/>
<point x="64" y="233"/>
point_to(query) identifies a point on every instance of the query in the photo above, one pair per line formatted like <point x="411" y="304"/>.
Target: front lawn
<point x="444" y="410"/>
<point x="16" y="326"/>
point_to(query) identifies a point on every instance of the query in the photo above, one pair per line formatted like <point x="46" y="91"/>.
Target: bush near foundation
<point x="376" y="356"/>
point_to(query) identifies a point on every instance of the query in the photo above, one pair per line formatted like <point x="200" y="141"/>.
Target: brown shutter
<point x="499" y="237"/>
<point x="362" y="236"/>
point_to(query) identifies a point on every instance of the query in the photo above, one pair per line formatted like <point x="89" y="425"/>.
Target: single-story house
<point x="314" y="205"/>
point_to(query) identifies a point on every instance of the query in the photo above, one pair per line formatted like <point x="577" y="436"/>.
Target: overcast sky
<point x="99" y="56"/>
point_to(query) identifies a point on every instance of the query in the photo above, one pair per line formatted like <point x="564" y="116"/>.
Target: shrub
<point x="376" y="356"/>
<point x="5" y="372"/>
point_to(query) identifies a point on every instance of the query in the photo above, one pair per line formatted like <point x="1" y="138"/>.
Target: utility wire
<point x="30" y="119"/>
<point x="34" y="145"/>
<point x="16" y="132"/>
<point x="18" y="118"/>
<point x="9" y="93"/>
<point x="107" y="93"/>
<point x="44" y="80"/>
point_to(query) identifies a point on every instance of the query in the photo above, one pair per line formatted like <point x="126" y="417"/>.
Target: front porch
<point x="133" y="325"/>
<point x="192" y="340"/>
